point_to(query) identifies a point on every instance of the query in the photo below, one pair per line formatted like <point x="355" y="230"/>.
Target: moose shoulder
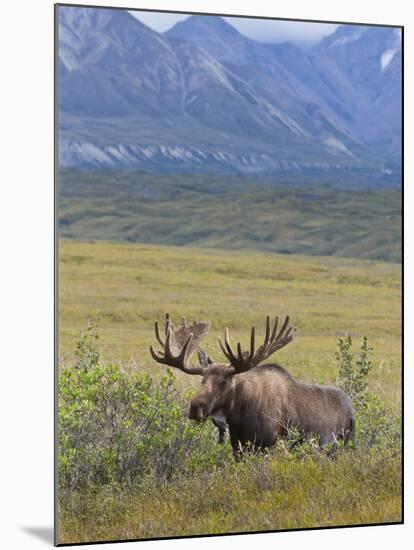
<point x="258" y="402"/>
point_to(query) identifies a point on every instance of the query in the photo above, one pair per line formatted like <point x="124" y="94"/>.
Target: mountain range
<point x="202" y="97"/>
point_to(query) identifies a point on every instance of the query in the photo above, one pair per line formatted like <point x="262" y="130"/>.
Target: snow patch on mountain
<point x="389" y="54"/>
<point x="337" y="146"/>
<point x="387" y="57"/>
<point x="75" y="153"/>
<point x="342" y="40"/>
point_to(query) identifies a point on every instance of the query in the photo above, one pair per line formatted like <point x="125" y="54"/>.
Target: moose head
<point x="218" y="379"/>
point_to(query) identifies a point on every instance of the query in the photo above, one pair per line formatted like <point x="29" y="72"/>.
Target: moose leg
<point x="349" y="434"/>
<point x="222" y="434"/>
<point x="221" y="430"/>
<point x="239" y="447"/>
<point x="220" y="422"/>
<point x="327" y="438"/>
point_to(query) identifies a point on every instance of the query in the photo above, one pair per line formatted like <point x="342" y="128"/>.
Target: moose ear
<point x="204" y="358"/>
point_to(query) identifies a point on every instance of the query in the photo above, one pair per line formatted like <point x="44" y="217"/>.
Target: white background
<point x="26" y="299"/>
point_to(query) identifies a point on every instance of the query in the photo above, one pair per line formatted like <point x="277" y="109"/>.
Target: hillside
<point x="230" y="213"/>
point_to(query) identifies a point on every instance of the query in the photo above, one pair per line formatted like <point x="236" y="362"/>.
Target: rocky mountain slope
<point x="204" y="98"/>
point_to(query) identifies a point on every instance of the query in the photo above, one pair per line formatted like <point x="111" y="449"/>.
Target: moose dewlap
<point x="258" y="403"/>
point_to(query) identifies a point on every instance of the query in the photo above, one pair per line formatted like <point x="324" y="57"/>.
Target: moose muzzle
<point x="198" y="410"/>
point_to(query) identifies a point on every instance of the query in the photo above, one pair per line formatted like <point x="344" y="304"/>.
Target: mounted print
<point x="228" y="259"/>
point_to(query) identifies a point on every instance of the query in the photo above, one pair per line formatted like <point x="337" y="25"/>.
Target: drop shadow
<point x="43" y="533"/>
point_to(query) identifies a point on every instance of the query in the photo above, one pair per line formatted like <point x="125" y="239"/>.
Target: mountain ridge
<point x="130" y="97"/>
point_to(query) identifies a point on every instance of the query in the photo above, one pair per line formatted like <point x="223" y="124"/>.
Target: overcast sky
<point x="259" y="29"/>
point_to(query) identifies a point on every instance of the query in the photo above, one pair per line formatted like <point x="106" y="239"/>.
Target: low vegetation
<point x="231" y="213"/>
<point x="133" y="466"/>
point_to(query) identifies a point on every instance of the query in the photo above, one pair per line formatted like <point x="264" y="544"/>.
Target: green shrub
<point x="121" y="430"/>
<point x="117" y="428"/>
<point x="374" y="424"/>
<point x="132" y="466"/>
<point x="353" y="373"/>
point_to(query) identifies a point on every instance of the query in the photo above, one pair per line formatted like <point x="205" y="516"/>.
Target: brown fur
<point x="257" y="402"/>
<point x="261" y="404"/>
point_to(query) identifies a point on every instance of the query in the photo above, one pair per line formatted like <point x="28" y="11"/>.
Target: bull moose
<point x="257" y="402"/>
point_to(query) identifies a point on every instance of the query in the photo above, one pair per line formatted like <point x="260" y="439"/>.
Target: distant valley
<point x="230" y="213"/>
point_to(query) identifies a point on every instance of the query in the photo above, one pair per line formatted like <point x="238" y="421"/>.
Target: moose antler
<point x="179" y="344"/>
<point x="273" y="341"/>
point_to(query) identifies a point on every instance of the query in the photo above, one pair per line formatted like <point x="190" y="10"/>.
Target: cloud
<point x="158" y="21"/>
<point x="266" y="30"/>
<point x="263" y="30"/>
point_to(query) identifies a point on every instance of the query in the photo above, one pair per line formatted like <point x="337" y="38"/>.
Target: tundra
<point x="258" y="403"/>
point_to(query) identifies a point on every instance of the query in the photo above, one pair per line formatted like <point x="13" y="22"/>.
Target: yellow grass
<point x="125" y="287"/>
<point x="353" y="490"/>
